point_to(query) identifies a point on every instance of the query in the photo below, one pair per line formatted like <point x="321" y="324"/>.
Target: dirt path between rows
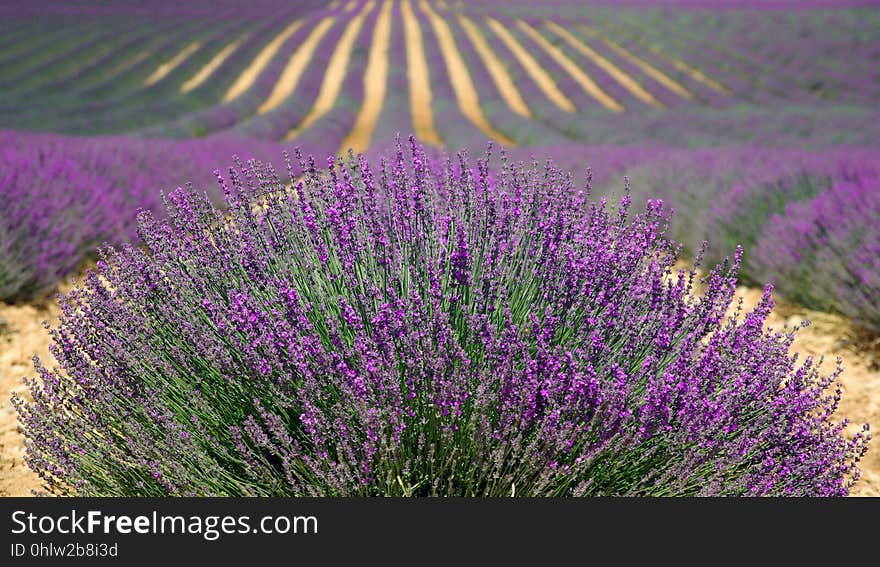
<point x="334" y="76"/>
<point x="497" y="70"/>
<point x="22" y="336"/>
<point x="375" y="85"/>
<point x="418" y="75"/>
<point x="531" y="67"/>
<point x="460" y="78"/>
<point x="296" y="66"/>
<point x="208" y="68"/>
<point x="249" y="76"/>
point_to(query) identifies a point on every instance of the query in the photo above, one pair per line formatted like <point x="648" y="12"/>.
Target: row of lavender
<point x="65" y="196"/>
<point x="732" y="110"/>
<point x="98" y="86"/>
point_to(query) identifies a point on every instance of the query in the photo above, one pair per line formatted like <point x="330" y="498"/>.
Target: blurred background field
<point x="757" y="121"/>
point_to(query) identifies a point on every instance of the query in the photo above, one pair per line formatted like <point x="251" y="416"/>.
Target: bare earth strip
<point x="685" y="68"/>
<point x="502" y="79"/>
<point x="351" y="5"/>
<point x="205" y="72"/>
<point x="375" y="85"/>
<point x="292" y="73"/>
<point x="336" y="69"/>
<point x="694" y="73"/>
<point x="126" y="65"/>
<point x="646" y="67"/>
<point x="544" y="81"/>
<point x="613" y="70"/>
<point x="162" y="70"/>
<point x="586" y="83"/>
<point x="20" y="339"/>
<point x="246" y="80"/>
<point x="419" y="79"/>
<point x="465" y="92"/>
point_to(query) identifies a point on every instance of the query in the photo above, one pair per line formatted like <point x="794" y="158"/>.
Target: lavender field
<point x="428" y="247"/>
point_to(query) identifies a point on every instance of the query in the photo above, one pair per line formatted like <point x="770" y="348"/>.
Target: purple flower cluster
<point x="422" y="328"/>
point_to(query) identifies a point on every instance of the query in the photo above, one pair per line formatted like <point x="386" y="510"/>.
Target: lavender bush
<point x="427" y="328"/>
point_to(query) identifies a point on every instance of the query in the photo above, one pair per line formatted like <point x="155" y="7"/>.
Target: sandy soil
<point x="164" y="69"/>
<point x="249" y="76"/>
<point x="502" y="79"/>
<point x="375" y="84"/>
<point x="680" y="65"/>
<point x="613" y="70"/>
<point x="646" y="67"/>
<point x="460" y="77"/>
<point x="296" y="66"/>
<point x="419" y="80"/>
<point x="208" y="69"/>
<point x="534" y="70"/>
<point x="337" y="67"/>
<point x="586" y="83"/>
<point x="22" y="335"/>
